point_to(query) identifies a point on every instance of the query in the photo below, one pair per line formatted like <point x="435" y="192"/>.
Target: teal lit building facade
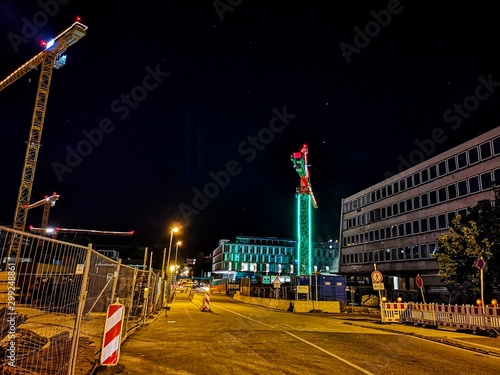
<point x="253" y="257"/>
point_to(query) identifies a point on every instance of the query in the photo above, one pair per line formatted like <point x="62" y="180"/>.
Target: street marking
<point x="304" y="341"/>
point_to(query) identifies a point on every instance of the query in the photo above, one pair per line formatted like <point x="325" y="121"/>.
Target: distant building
<point x="395" y="223"/>
<point x="248" y="256"/>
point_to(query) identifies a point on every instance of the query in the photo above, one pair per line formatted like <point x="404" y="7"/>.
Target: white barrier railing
<point x="454" y="316"/>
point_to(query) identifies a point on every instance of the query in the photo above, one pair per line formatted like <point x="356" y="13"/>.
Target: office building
<point x="395" y="223"/>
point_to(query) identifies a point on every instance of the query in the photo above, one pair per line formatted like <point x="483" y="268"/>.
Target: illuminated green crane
<point x="305" y="200"/>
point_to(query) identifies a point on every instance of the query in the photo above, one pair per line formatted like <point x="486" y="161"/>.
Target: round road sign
<point x="377" y="277"/>
<point x="419" y="281"/>
<point x="480" y="263"/>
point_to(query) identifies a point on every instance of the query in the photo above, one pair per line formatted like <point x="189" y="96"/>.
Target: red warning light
<point x="132" y="231"/>
<point x="43" y="43"/>
<point x="78" y="18"/>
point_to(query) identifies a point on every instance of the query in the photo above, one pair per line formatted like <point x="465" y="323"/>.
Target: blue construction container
<point x="330" y="287"/>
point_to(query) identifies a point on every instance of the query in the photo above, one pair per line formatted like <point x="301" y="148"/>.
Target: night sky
<point x="195" y="93"/>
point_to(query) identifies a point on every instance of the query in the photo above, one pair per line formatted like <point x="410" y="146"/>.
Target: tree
<point x="475" y="235"/>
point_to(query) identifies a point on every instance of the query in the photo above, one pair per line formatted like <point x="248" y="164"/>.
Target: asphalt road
<point x="237" y="338"/>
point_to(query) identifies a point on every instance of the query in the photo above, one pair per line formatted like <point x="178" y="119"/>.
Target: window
<point x="401" y="253"/>
<point x="416" y="178"/>
<point x="451" y="216"/>
<point x="473" y="184"/>
<point x="423" y="225"/>
<point x="402" y="207"/>
<point x="442" y="194"/>
<point x="462" y="160"/>
<point x="452" y="191"/>
<point x="496" y="177"/>
<point x="395" y="209"/>
<point x="375" y="256"/>
<point x="473" y="155"/>
<point x="409" y="182"/>
<point x="432" y="223"/>
<point x="416" y="226"/>
<point x="395" y="187"/>
<point x="381" y="254"/>
<point x="370" y="257"/>
<point x="442" y="221"/>
<point x="416" y="202"/>
<point x="377" y="237"/>
<point x="425" y="175"/>
<point x="394" y="254"/>
<point x="452" y="165"/>
<point x="389" y="190"/>
<point x="486" y="181"/>
<point x="462" y="188"/>
<point x="485" y="149"/>
<point x="442" y="168"/>
<point x="424" y="200"/>
<point x="378" y="194"/>
<point x="407" y="252"/>
<point x="433" y="172"/>
<point x="394" y="230"/>
<point x="408" y="228"/>
<point x="409" y="204"/>
<point x="401" y="229"/>
<point x="382" y="212"/>
<point x="382" y="234"/>
<point x="423" y="251"/>
<point x="389" y="211"/>
<point x="496" y="146"/>
<point x="402" y="185"/>
<point x="415" y="253"/>
<point x="433" y="197"/>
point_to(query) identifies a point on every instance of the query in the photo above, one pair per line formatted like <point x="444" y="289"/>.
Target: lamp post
<point x="175" y="263"/>
<point x="316" y="273"/>
<point x="174" y="229"/>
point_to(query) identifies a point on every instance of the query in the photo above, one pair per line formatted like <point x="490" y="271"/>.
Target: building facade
<point x="252" y="257"/>
<point x="395" y="223"/>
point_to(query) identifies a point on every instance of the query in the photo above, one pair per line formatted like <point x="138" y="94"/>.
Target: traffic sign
<point x="480" y="263"/>
<point x="277" y="282"/>
<point x="378" y="286"/>
<point x="377" y="277"/>
<point x="419" y="281"/>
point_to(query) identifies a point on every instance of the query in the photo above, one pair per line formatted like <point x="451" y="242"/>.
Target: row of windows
<point x="258" y="267"/>
<point x="258" y="249"/>
<point x="453" y="191"/>
<point x="422" y="225"/>
<point x="259" y="258"/>
<point x="415" y="252"/>
<point x="467" y="158"/>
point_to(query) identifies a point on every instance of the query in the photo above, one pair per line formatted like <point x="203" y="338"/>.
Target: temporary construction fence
<point x="453" y="316"/>
<point x="53" y="301"/>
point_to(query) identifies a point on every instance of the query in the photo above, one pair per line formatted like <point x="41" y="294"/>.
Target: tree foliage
<point x="475" y="235"/>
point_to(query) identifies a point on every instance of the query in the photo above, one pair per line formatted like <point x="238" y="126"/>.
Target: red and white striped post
<point x="206" y="301"/>
<point x="112" y="335"/>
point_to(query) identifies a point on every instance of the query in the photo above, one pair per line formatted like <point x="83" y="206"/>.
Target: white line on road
<point x="304" y="341"/>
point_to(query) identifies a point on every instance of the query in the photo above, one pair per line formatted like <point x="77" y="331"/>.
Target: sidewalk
<point x="479" y="342"/>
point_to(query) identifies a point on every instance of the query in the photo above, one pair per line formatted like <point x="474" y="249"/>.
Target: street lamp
<point x="316" y="273"/>
<point x="176" y="251"/>
<point x="174" y="229"/>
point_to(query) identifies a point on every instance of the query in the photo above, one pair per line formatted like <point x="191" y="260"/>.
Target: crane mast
<point x="305" y="200"/>
<point x="52" y="57"/>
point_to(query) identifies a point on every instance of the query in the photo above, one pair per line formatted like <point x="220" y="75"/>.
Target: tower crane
<point x="47" y="202"/>
<point x="51" y="57"/>
<point x="305" y="200"/>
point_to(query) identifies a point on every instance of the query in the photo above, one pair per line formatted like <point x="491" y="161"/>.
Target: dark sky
<point x="229" y="73"/>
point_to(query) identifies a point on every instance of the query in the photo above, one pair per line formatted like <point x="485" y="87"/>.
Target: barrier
<point x="394" y="312"/>
<point x="112" y="335"/>
<point x="206" y="302"/>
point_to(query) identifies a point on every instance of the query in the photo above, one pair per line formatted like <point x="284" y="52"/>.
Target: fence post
<point x="131" y="303"/>
<point x="115" y="281"/>
<point x="79" y="312"/>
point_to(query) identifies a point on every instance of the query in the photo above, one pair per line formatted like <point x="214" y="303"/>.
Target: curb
<point x="446" y="341"/>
